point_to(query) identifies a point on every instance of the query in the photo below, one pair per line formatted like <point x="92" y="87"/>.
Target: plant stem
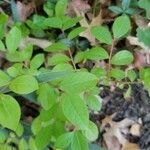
<point x="70" y="54"/>
<point x="110" y="55"/>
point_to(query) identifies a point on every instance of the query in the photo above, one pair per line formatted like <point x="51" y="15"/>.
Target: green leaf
<point x="24" y="84"/>
<point x="19" y="56"/>
<point x="9" y="112"/>
<point x="53" y="22"/>
<point x="64" y="140"/>
<point x="94" y="102"/>
<point x="4" y="78"/>
<point x="46" y="96"/>
<point x="117" y="74"/>
<point x="56" y="47"/>
<point x="58" y="59"/>
<point x="43" y="137"/>
<point x="32" y="144"/>
<point x="131" y="75"/>
<point x="78" y="82"/>
<point x="125" y="4"/>
<point x="116" y="9"/>
<point x="99" y="72"/>
<point x="79" y="142"/>
<point x="13" y="39"/>
<point x="143" y="35"/>
<point x="37" y="61"/>
<point x="23" y="144"/>
<point x="49" y="8"/>
<point x="60" y="8"/>
<point x="80" y="56"/>
<point x="75" y="110"/>
<point x="3" y="21"/>
<point x="96" y="53"/>
<point x="2" y="46"/>
<point x="102" y="34"/>
<point x="74" y="33"/>
<point x="121" y="26"/>
<point x="69" y="22"/>
<point x="123" y="57"/>
<point x="145" y="4"/>
<point x="62" y="67"/>
<point x="91" y="133"/>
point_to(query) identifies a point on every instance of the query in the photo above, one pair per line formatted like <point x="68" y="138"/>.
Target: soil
<point x="137" y="108"/>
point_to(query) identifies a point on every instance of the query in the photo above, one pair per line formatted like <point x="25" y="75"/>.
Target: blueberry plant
<point x="51" y="78"/>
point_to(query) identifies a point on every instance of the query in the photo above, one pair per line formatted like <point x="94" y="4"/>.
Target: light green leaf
<point x="121" y="26"/>
<point x="62" y="67"/>
<point x="43" y="137"/>
<point x="4" y="78"/>
<point x="78" y="82"/>
<point x="13" y="39"/>
<point x="99" y="72"/>
<point x="2" y="46"/>
<point x="37" y="61"/>
<point x="75" y="110"/>
<point x="74" y="33"/>
<point x="56" y="47"/>
<point x="69" y="22"/>
<point x="91" y="133"/>
<point x="123" y="57"/>
<point x="53" y="22"/>
<point x="19" y="56"/>
<point x="102" y="34"/>
<point x="94" y="102"/>
<point x="64" y="140"/>
<point x="46" y="96"/>
<point x="96" y="53"/>
<point x="32" y="144"/>
<point x="117" y="74"/>
<point x="9" y="112"/>
<point x="131" y="75"/>
<point x="58" y="59"/>
<point x="60" y="8"/>
<point x="23" y="145"/>
<point x="143" y="35"/>
<point x="79" y="142"/>
<point x="145" y="4"/>
<point x="24" y="84"/>
<point x="80" y="56"/>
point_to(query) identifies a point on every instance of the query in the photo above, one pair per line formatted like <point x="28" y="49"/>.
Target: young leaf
<point x="96" y="53"/>
<point x="91" y="133"/>
<point x="99" y="72"/>
<point x="117" y="74"/>
<point x="23" y="144"/>
<point x="74" y="33"/>
<point x="78" y="82"/>
<point x="4" y="78"/>
<point x="9" y="112"/>
<point x="24" y="84"/>
<point x="93" y="102"/>
<point x="102" y="34"/>
<point x="58" y="59"/>
<point x="60" y="8"/>
<point x="2" y="46"/>
<point x="46" y="96"/>
<point x="56" y="47"/>
<point x="79" y="142"/>
<point x="123" y="57"/>
<point x="145" y="4"/>
<point x="53" y="22"/>
<point x="43" y="137"/>
<point x="13" y="39"/>
<point x="143" y="35"/>
<point x="131" y="75"/>
<point x="37" y="61"/>
<point x="70" y="105"/>
<point x="63" y="67"/>
<point x="64" y="140"/>
<point x="116" y="9"/>
<point x="121" y="26"/>
<point x="125" y="4"/>
<point x="80" y="56"/>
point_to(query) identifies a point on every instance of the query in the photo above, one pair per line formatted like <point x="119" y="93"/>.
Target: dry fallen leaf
<point x="135" y="129"/>
<point x="113" y="136"/>
<point x="24" y="10"/>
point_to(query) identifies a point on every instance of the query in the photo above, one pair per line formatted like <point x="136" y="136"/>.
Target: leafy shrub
<point x="65" y="94"/>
